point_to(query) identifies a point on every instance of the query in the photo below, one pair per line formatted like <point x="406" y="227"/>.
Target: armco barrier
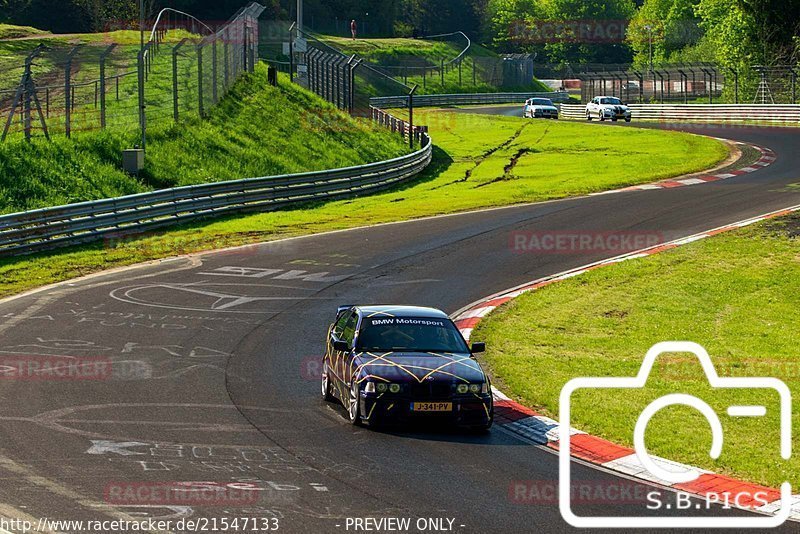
<point x="700" y="112"/>
<point x="464" y="99"/>
<point x="72" y="224"/>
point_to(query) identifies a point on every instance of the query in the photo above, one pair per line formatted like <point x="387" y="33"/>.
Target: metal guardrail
<point x="72" y="224"/>
<point x="700" y="112"/>
<point x="465" y="99"/>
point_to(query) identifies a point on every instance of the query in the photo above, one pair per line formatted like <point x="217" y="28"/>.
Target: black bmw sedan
<point x="404" y="363"/>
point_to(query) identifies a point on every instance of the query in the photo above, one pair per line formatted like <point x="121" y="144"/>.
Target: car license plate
<point x="432" y="406"/>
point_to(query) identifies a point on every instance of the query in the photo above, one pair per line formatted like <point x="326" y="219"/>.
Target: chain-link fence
<point x="681" y="83"/>
<point x="184" y="68"/>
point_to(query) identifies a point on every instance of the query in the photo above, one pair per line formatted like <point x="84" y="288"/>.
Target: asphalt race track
<point x="214" y="374"/>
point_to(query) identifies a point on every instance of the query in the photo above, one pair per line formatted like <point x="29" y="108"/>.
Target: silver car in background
<point x="540" y="108"/>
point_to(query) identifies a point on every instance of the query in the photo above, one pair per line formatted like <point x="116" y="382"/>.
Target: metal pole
<point x="200" y="78"/>
<point x="214" y="95"/>
<point x="291" y="50"/>
<point x="175" y="97"/>
<point x="300" y="15"/>
<point x="225" y="53"/>
<point x="103" y="84"/>
<point x="141" y="26"/>
<point x="142" y="115"/>
<point x="68" y="92"/>
<point x="411" y="115"/>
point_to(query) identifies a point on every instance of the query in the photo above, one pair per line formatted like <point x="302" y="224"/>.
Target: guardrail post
<point x="103" y="57"/>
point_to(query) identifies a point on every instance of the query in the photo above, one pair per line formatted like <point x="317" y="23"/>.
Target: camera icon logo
<point x="673" y="476"/>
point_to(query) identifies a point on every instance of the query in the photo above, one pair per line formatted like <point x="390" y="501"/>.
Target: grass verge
<point x="737" y="294"/>
<point x="479" y="161"/>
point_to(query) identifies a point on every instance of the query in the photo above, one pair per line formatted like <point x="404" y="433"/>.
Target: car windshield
<point x="612" y="101"/>
<point x="541" y="102"/>
<point x="419" y="334"/>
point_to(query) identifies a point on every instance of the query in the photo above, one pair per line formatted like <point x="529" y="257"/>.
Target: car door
<point x="334" y="357"/>
<point x="346" y="366"/>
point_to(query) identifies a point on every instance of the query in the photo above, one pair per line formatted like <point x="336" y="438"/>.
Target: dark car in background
<point x="403" y="364"/>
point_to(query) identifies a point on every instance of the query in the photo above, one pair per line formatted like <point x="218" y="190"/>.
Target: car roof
<point x="401" y="311"/>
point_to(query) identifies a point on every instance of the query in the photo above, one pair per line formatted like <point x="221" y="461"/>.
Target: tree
<point x="591" y="31"/>
<point x="671" y="25"/>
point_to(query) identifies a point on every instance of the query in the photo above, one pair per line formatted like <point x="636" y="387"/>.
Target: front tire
<point x="588" y="116"/>
<point x="628" y="119"/>
<point x="326" y="384"/>
<point x="353" y="404"/>
<point x="600" y="116"/>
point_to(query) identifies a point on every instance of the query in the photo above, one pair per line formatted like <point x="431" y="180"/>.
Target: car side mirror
<point x="478" y="347"/>
<point x="341" y="346"/>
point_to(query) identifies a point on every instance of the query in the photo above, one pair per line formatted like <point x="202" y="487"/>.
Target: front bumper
<point x="615" y="115"/>
<point x="468" y="410"/>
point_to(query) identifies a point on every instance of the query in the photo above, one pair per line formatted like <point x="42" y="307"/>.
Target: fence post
<point x="411" y="115"/>
<point x="142" y="115"/>
<point x="68" y="92"/>
<point x="245" y="44"/>
<point x="200" y="78"/>
<point x="291" y="51"/>
<point x="441" y="72"/>
<point x="214" y="94"/>
<point x="175" y="110"/>
<point x="226" y="74"/>
<point x="253" y="42"/>
<point x="103" y="57"/>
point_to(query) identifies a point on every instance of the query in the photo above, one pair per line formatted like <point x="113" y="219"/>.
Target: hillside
<point x="256" y="130"/>
<point x="419" y="61"/>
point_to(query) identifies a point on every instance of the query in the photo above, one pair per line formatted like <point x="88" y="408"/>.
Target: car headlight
<point x="394" y="388"/>
<point x="382" y="387"/>
<point x="485" y="388"/>
<point x="370" y="387"/>
<point x="474" y="388"/>
<point x="462" y="388"/>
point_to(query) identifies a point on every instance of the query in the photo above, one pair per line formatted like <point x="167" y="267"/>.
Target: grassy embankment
<point x="737" y="294"/>
<point x="479" y="161"/>
<point x="257" y="130"/>
<point x="395" y="52"/>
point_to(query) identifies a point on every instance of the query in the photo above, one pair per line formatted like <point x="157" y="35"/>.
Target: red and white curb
<point x="766" y="159"/>
<point x="543" y="430"/>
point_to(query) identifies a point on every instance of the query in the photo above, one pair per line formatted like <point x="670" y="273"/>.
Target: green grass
<point x="10" y="31"/>
<point x="468" y="172"/>
<point x="257" y="130"/>
<point x="737" y="294"/>
<point x="393" y="52"/>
